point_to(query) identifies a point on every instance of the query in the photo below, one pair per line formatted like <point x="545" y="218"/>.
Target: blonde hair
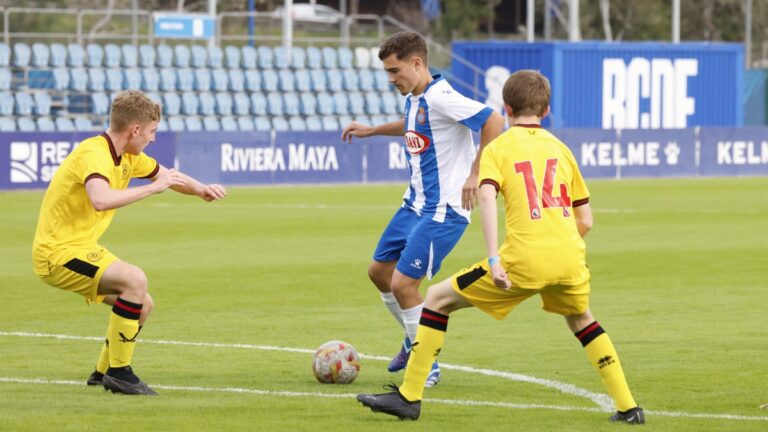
<point x="527" y="92"/>
<point x="130" y="107"/>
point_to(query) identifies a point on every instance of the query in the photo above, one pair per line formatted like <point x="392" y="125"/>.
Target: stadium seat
<point x="147" y="56"/>
<point x="335" y="80"/>
<point x="224" y="103"/>
<point x="341" y="103"/>
<point x="5" y="79"/>
<point x="211" y="124"/>
<point x="263" y="124"/>
<point x="96" y="79"/>
<point x="245" y="124"/>
<point x="61" y="78"/>
<point x="46" y="124"/>
<point x="130" y="57"/>
<point x="150" y="80"/>
<point x="176" y="124"/>
<point x="366" y="80"/>
<point x="26" y="124"/>
<point x="281" y="58"/>
<point x="82" y="124"/>
<point x="372" y="103"/>
<point x="319" y="80"/>
<point x="185" y="79"/>
<point x="100" y="103"/>
<point x="330" y="58"/>
<point x="375" y="62"/>
<point x="215" y="57"/>
<point x="265" y="57"/>
<point x="390" y="104"/>
<point x="7" y="103"/>
<point x="236" y="80"/>
<point x="228" y="124"/>
<point x="7" y="124"/>
<point x="325" y="104"/>
<point x="249" y="57"/>
<point x="165" y="60"/>
<point x="275" y="104"/>
<point x="193" y="124"/>
<point x="378" y="119"/>
<point x="202" y="79"/>
<point x="172" y="104"/>
<point x="58" y="55"/>
<point x="207" y="103"/>
<point x="40" y="55"/>
<point x="155" y="97"/>
<point x="232" y="57"/>
<point x="346" y="119"/>
<point x="270" y="80"/>
<point x="356" y="103"/>
<point x="258" y="104"/>
<point x="22" y="54"/>
<point x="95" y="55"/>
<point x="330" y="123"/>
<point x="42" y="103"/>
<point x="162" y="125"/>
<point x="296" y="123"/>
<point x="252" y="80"/>
<point x="291" y="104"/>
<point x="64" y="124"/>
<point x="303" y="81"/>
<point x="5" y="58"/>
<point x="394" y="117"/>
<point x="280" y="124"/>
<point x="314" y="124"/>
<point x="345" y="58"/>
<point x="181" y="56"/>
<point x="168" y="79"/>
<point x="286" y="81"/>
<point x="308" y="104"/>
<point x="199" y="56"/>
<point x="75" y="55"/>
<point x="112" y="55"/>
<point x="131" y="79"/>
<point x="298" y="58"/>
<point x="24" y="103"/>
<point x="314" y="58"/>
<point x="382" y="81"/>
<point x="190" y="104"/>
<point x="362" y="57"/>
<point x="114" y="80"/>
<point x="220" y="80"/>
<point x="351" y="80"/>
<point x="242" y="104"/>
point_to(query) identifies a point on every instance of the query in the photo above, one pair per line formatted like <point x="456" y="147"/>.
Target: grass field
<point x="246" y="288"/>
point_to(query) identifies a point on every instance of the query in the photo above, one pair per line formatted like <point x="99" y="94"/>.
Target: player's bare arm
<point x="360" y="130"/>
<point x="491" y="129"/>
<point x="103" y="197"/>
<point x="491" y="234"/>
<point x="211" y="192"/>
<point x="583" y="215"/>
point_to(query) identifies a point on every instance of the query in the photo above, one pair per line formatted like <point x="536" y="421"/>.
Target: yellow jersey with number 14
<point x="538" y="177"/>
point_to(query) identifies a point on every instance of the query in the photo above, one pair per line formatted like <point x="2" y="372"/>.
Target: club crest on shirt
<point x="93" y="256"/>
<point x="415" y="142"/>
<point x="126" y="170"/>
<point x="421" y="116"/>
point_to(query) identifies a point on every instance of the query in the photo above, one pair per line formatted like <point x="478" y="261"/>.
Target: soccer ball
<point x="336" y="362"/>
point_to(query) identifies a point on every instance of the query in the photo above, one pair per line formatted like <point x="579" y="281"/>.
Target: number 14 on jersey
<point x="547" y="200"/>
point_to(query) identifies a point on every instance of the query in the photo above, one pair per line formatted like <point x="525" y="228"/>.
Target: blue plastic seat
<point x="176" y="124"/>
<point x="286" y="81"/>
<point x="270" y="80"/>
<point x="131" y="79"/>
<point x="330" y="123"/>
<point x="185" y="79"/>
<point x="228" y="124"/>
<point x="58" y="55"/>
<point x="181" y="56"/>
<point x="303" y="81"/>
<point x="382" y="81"/>
<point x="362" y="58"/>
<point x="190" y="104"/>
<point x="7" y="103"/>
<point x="319" y="80"/>
<point x="372" y="103"/>
<point x="40" y="55"/>
<point x="232" y="57"/>
<point x="45" y="124"/>
<point x="83" y="124"/>
<point x="258" y="104"/>
<point x="165" y="60"/>
<point x="215" y="57"/>
<point x="378" y="119"/>
<point x="5" y="79"/>
<point x="314" y="58"/>
<point x="376" y="63"/>
<point x="26" y="124"/>
<point x="325" y="104"/>
<point x="211" y="124"/>
<point x="394" y="117"/>
<point x="265" y="57"/>
<point x="356" y="103"/>
<point x="162" y="125"/>
<point x="366" y="80"/>
<point x="22" y="54"/>
<point x="389" y="103"/>
<point x="168" y="79"/>
<point x="147" y="56"/>
<point x="112" y="55"/>
<point x="61" y="79"/>
<point x="65" y="124"/>
<point x="347" y="119"/>
<point x="291" y="104"/>
<point x="263" y="124"/>
<point x="114" y="80"/>
<point x="150" y="80"/>
<point x="99" y="103"/>
<point x="280" y="124"/>
<point x="207" y="103"/>
<point x="245" y="124"/>
<point x="330" y="58"/>
<point x="249" y="58"/>
<point x="199" y="56"/>
<point x="297" y="123"/>
<point x="95" y="54"/>
<point x="130" y="57"/>
<point x="281" y="58"/>
<point x="345" y="58"/>
<point x="202" y="79"/>
<point x="224" y="103"/>
<point x="7" y="124"/>
<point x="275" y="104"/>
<point x="155" y="97"/>
<point x="335" y="80"/>
<point x="341" y="103"/>
<point x="236" y="80"/>
<point x="193" y="124"/>
<point x="253" y="80"/>
<point x="75" y="55"/>
<point x="220" y="80"/>
<point x="314" y="124"/>
<point x="42" y="103"/>
<point x="308" y="104"/>
<point x="24" y="103"/>
<point x="96" y="79"/>
<point x="5" y="56"/>
<point x="172" y="104"/>
<point x="298" y="58"/>
<point x="351" y="80"/>
<point x="242" y="104"/>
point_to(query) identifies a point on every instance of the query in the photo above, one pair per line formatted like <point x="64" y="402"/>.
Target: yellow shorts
<point x="475" y="284"/>
<point x="77" y="270"/>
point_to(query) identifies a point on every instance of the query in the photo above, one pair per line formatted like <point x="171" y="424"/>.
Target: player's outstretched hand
<point x="500" y="278"/>
<point x="355" y="129"/>
<point x="213" y="192"/>
<point x="470" y="192"/>
<point x="168" y="178"/>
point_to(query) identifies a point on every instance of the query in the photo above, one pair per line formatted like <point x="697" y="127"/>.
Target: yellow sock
<point x="103" y="363"/>
<point x="603" y="356"/>
<point x="426" y="347"/>
<point x="123" y="329"/>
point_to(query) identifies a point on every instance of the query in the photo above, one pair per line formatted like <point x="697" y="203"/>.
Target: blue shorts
<point x="419" y="244"/>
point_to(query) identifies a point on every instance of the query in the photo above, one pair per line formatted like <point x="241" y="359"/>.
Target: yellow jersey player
<point x="547" y="214"/>
<point x="79" y="205"/>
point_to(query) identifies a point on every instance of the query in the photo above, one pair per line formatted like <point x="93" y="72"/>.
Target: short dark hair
<point x="527" y="92"/>
<point x="404" y="45"/>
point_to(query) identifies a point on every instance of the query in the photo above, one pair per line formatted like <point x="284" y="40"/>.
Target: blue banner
<point x="734" y="151"/>
<point x="386" y="160"/>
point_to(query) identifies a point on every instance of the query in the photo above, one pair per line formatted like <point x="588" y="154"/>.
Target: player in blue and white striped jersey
<point x="444" y="165"/>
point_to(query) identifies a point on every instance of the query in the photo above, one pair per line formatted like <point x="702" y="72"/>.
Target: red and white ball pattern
<point x="336" y="362"/>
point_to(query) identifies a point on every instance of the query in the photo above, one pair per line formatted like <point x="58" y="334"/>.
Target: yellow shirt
<point x="67" y="217"/>
<point x="541" y="183"/>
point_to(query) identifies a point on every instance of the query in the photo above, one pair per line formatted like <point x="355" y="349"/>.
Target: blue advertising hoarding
<point x="734" y="151"/>
<point x="183" y="26"/>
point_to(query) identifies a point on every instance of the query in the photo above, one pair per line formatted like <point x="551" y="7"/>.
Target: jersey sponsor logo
<point x="415" y="142"/>
<point x="32" y="162"/>
<point x="421" y="116"/>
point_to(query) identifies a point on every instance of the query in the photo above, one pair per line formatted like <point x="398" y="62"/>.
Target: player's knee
<point x="578" y="322"/>
<point x="136" y="283"/>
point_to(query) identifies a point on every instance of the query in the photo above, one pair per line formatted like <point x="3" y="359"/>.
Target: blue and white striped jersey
<point x="439" y="147"/>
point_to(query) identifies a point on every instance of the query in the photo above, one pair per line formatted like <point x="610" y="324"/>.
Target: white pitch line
<point x="601" y="400"/>
<point x="459" y="402"/>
